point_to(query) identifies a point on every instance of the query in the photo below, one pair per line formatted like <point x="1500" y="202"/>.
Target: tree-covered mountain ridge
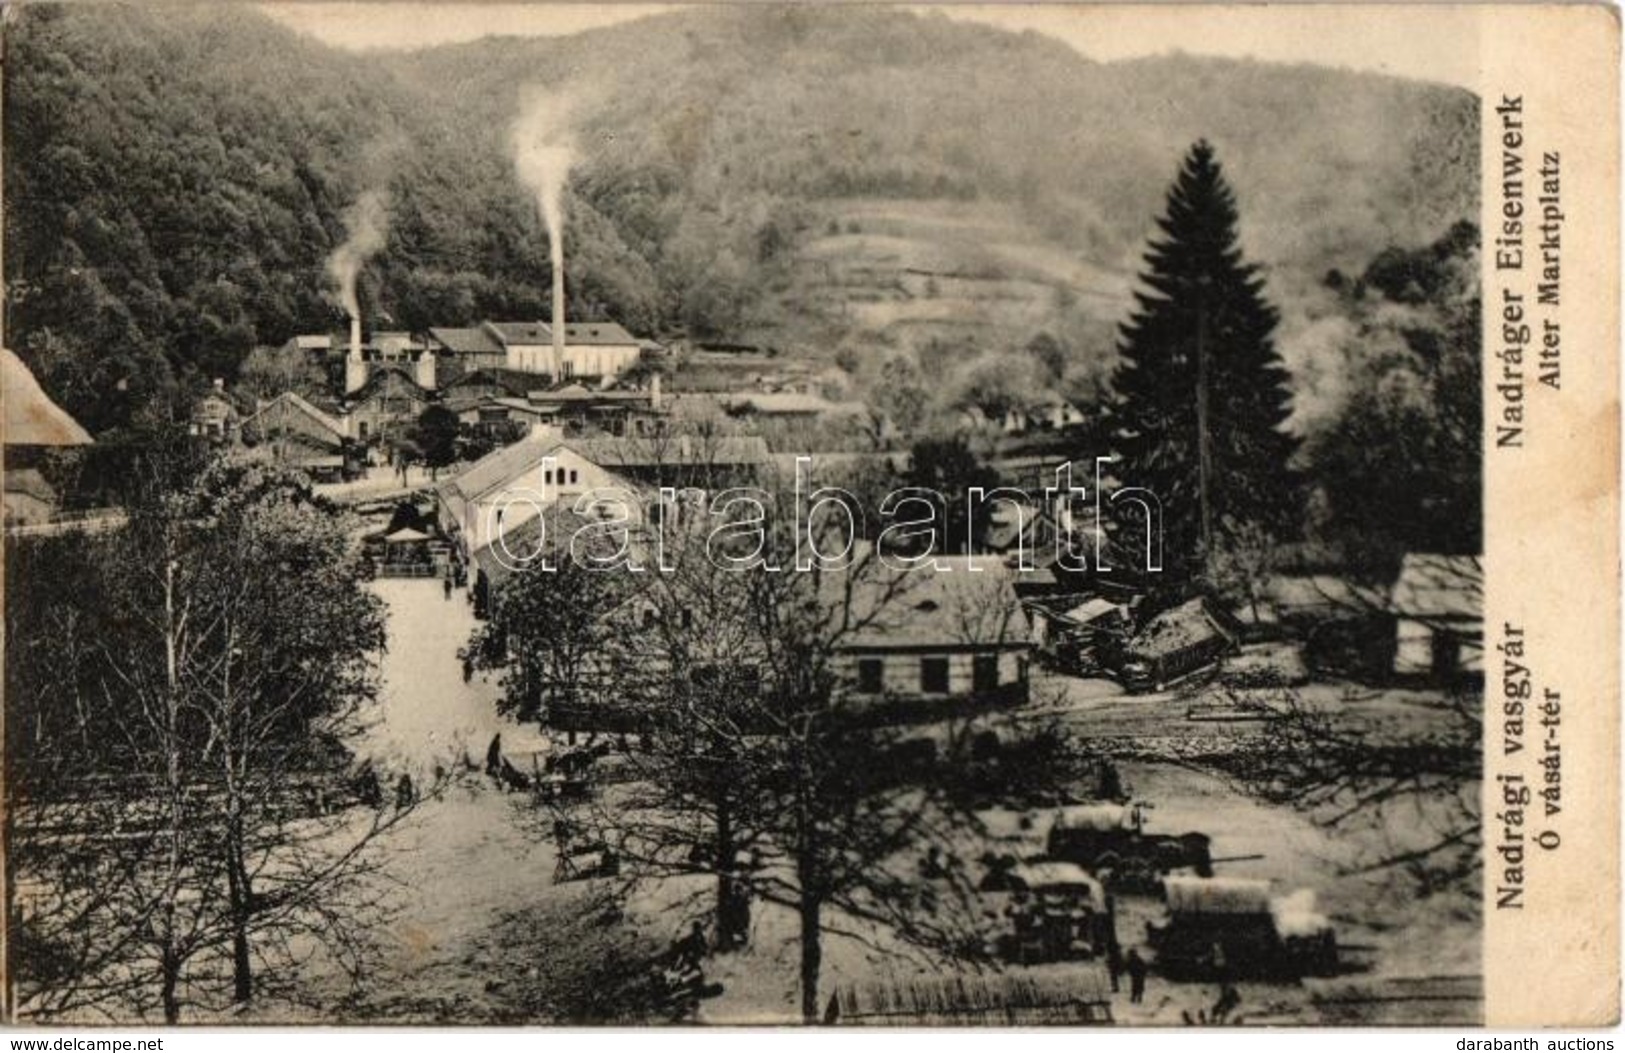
<point x="856" y="178"/>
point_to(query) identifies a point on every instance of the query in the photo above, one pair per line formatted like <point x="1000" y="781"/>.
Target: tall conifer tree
<point x="1198" y="361"/>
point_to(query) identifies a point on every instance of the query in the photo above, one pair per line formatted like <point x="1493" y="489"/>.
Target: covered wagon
<point x="1234" y="929"/>
<point x="1109" y="840"/>
<point x="1055" y="912"/>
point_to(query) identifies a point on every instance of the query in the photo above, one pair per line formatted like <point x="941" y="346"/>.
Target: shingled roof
<point x="500" y="466"/>
<point x="302" y="406"/>
<point x="952" y="603"/>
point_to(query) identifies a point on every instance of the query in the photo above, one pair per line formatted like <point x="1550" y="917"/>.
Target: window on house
<point x="547" y="477"/>
<point x="871" y="675"/>
<point x="934" y="676"/>
<point x="572" y="476"/>
<point x="985" y="672"/>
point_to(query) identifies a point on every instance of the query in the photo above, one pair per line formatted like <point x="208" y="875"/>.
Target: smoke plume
<point x="544" y="149"/>
<point x="367" y="222"/>
<point x="1295" y="915"/>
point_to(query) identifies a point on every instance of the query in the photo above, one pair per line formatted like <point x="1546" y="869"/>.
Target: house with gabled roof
<point x="931" y="641"/>
<point x="32" y="426"/>
<point x="290" y="430"/>
<point x="387" y="404"/>
<point x="504" y="489"/>
<point x="1438" y="607"/>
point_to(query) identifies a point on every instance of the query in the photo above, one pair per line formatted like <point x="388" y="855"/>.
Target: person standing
<point x="1136" y="976"/>
<point x="690" y="950"/>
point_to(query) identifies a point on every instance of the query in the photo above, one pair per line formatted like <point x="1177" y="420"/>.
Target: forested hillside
<point x="825" y="181"/>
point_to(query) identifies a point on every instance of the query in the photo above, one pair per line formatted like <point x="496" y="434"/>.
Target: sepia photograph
<point x="753" y="514"/>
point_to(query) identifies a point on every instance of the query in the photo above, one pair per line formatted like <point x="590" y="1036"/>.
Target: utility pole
<point x="1204" y="460"/>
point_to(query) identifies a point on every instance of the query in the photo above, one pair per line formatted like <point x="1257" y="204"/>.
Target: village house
<point x="32" y="427"/>
<point x="933" y="642"/>
<point x="503" y="417"/>
<point x="215" y="416"/>
<point x="1018" y="526"/>
<point x="487" y="508"/>
<point x="386" y="406"/>
<point x="289" y="430"/>
<point x="1438" y="606"/>
<point x="501" y="491"/>
<point x="1049" y="414"/>
<point x="562" y="469"/>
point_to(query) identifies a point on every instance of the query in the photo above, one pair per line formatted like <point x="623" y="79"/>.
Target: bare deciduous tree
<point x="196" y="842"/>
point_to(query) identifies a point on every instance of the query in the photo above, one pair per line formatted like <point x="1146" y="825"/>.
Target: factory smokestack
<point x="543" y="153"/>
<point x="367" y="223"/>
<point x="355" y="367"/>
<point x="558" y="316"/>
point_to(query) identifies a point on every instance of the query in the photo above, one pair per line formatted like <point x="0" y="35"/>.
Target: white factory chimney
<point x="424" y="371"/>
<point x="558" y="322"/>
<point x="355" y="367"/>
<point x="654" y="392"/>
